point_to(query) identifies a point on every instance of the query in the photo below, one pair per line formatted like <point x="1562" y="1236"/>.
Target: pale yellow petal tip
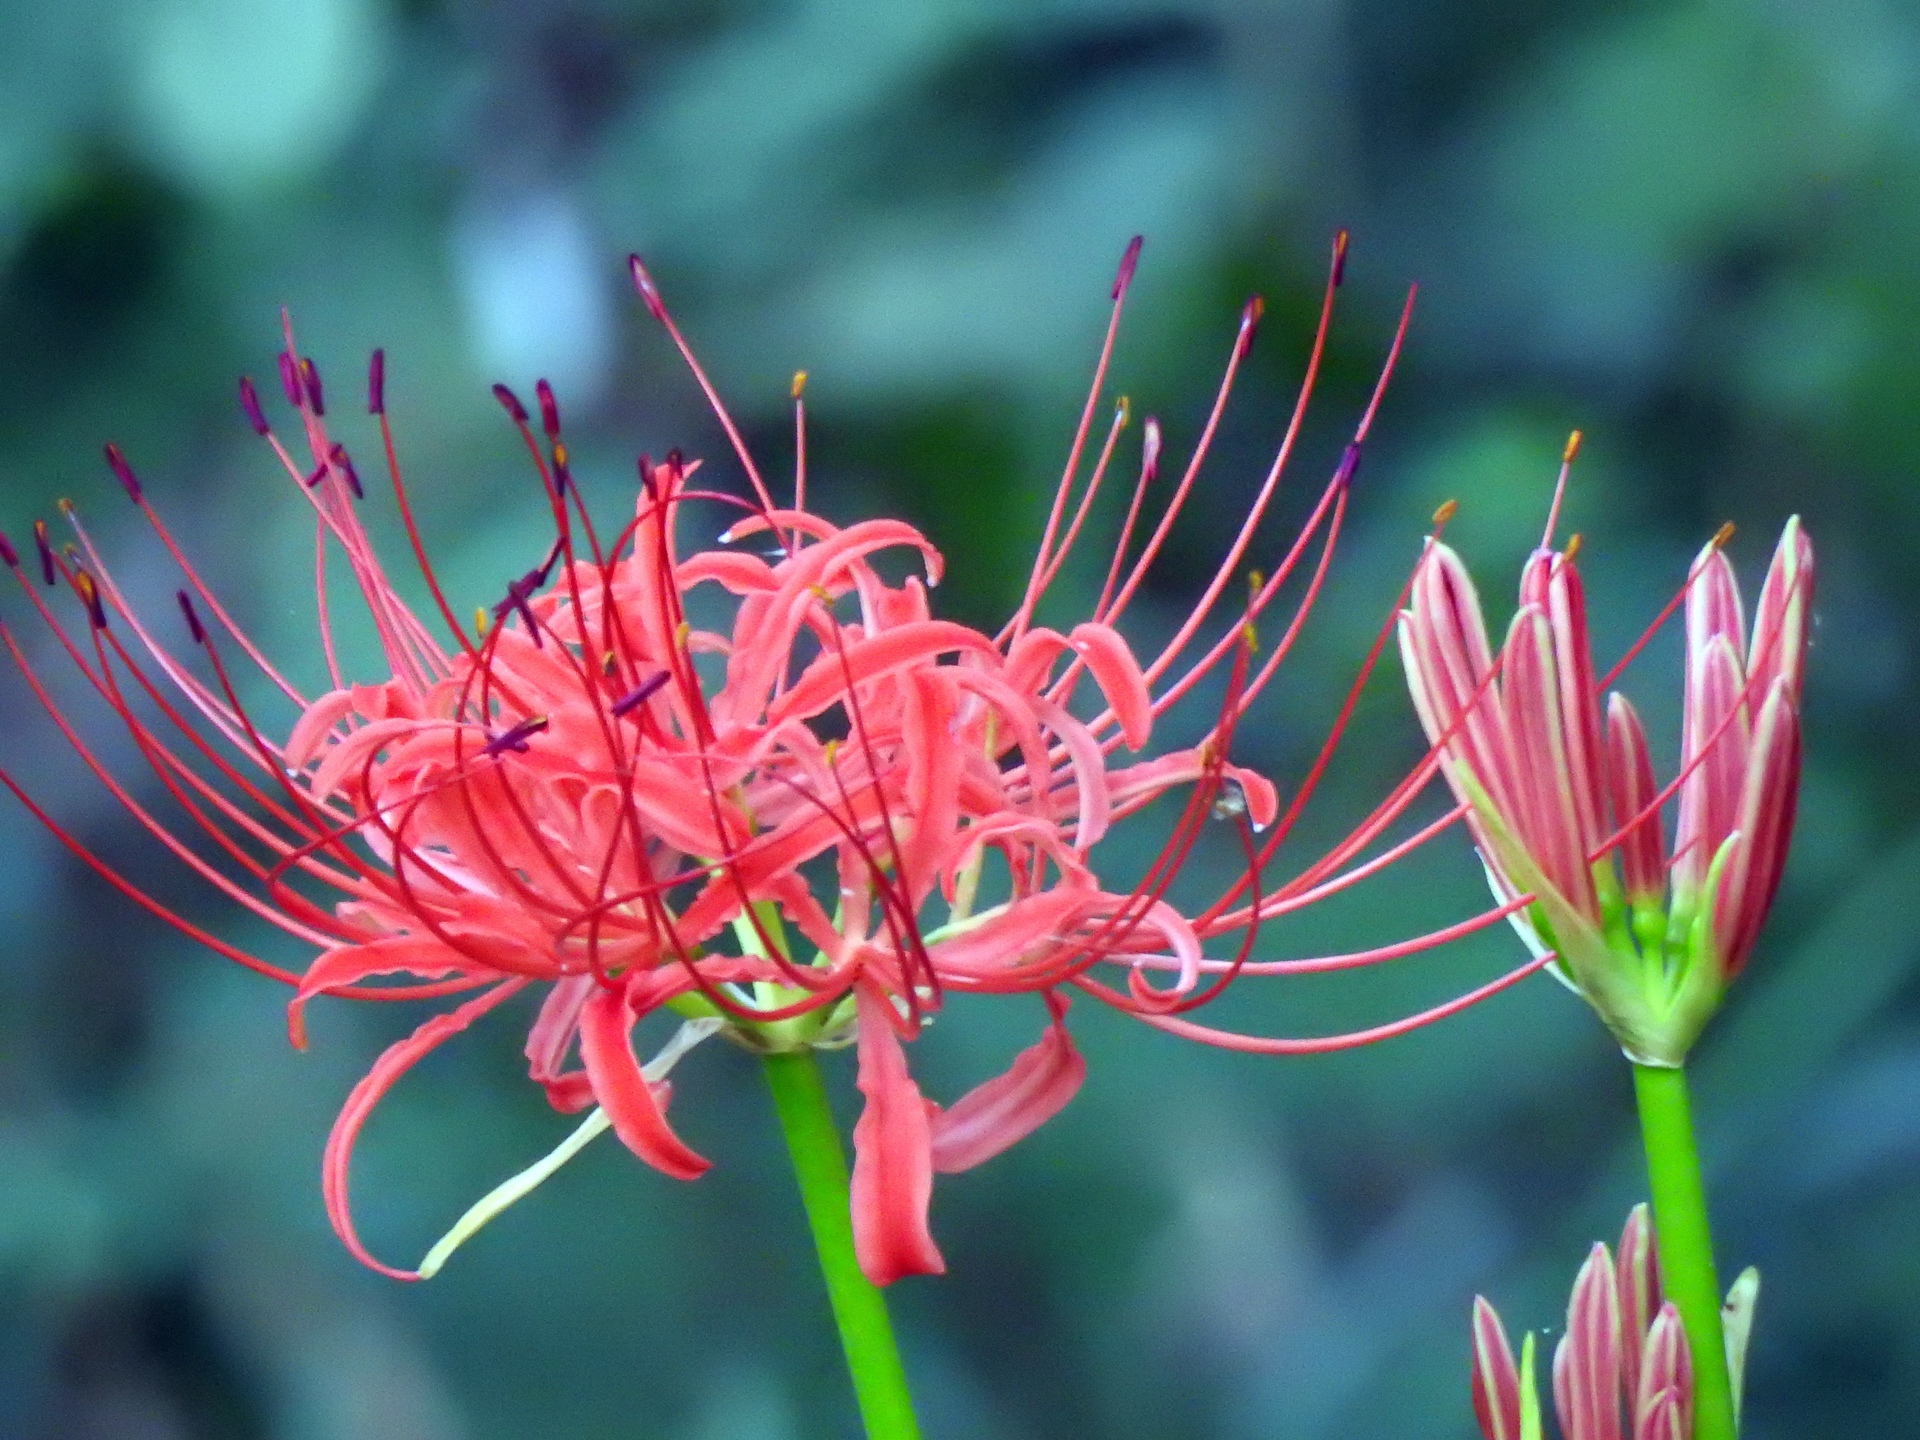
<point x="509" y="1192"/>
<point x="1531" y="1425"/>
<point x="518" y="1187"/>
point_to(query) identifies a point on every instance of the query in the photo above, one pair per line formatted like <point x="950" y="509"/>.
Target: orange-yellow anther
<point x="480" y="620"/>
<point x="1446" y="512"/>
<point x="1723" y="535"/>
<point x="1573" y="548"/>
<point x="799" y="383"/>
<point x="1573" y="448"/>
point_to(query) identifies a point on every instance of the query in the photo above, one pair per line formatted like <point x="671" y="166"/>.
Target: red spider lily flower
<point x="758" y="785"/>
<point x="1622" y="1370"/>
<point x="1563" y="803"/>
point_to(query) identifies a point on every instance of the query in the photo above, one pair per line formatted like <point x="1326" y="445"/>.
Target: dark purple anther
<point x="377" y="383"/>
<point x="1128" y="262"/>
<point x="345" y="466"/>
<point x="646" y="479"/>
<point x="290" y="380"/>
<point x="194" y="627"/>
<point x="8" y="555"/>
<point x="562" y="470"/>
<point x="128" y="480"/>
<point x="640" y="694"/>
<point x="1349" y="463"/>
<point x="518" y="593"/>
<point x="45" y="547"/>
<point x="250" y="405"/>
<point x="1339" y="258"/>
<point x="549" y="410"/>
<point x="516" y="738"/>
<point x="310" y="379"/>
<point x="90" y="597"/>
<point x="510" y="402"/>
<point x="319" y="474"/>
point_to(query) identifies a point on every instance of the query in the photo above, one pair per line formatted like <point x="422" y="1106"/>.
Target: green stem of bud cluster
<point x="1685" y="1241"/>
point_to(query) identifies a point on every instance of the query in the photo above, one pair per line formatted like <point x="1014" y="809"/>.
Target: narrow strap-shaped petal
<point x="1592" y="1404"/>
<point x="1667" y="1369"/>
<point x="1765" y="824"/>
<point x="1639" y="1284"/>
<point x="606" y="1045"/>
<point x="1579" y="698"/>
<point x="1713" y="603"/>
<point x="1663" y="1419"/>
<point x="1118" y="675"/>
<point x="1545" y="817"/>
<point x="1563" y="1390"/>
<point x="1631" y="790"/>
<point x="423" y="956"/>
<point x="1780" y="627"/>
<point x="552" y="1036"/>
<point x="394" y="1061"/>
<point x="1714" y="753"/>
<point x="892" y="1156"/>
<point x="1008" y="1108"/>
<point x="825" y="681"/>
<point x="933" y="779"/>
<point x="1496" y="1381"/>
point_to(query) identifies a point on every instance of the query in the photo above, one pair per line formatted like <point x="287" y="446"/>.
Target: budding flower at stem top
<point x="1562" y="799"/>
<point x="1623" y="1369"/>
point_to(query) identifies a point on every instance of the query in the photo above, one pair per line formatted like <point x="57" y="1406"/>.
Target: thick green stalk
<point x="860" y="1310"/>
<point x="1687" y="1273"/>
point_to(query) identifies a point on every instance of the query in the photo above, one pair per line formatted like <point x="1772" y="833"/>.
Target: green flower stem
<point x="1685" y="1244"/>
<point x="860" y="1310"/>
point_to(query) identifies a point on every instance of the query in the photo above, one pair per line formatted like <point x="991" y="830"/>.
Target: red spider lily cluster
<point x="760" y="786"/>
<point x="1563" y="803"/>
<point x="1622" y="1370"/>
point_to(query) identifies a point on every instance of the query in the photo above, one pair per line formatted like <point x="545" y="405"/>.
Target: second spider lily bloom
<point x="1622" y="1369"/>
<point x="1561" y="794"/>
<point x="760" y="786"/>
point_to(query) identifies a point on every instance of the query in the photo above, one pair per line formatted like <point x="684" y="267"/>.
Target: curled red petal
<point x="1006" y="1109"/>
<point x="423" y="956"/>
<point x="1119" y="678"/>
<point x="606" y="1045"/>
<point x="892" y="1156"/>
<point x="394" y="1062"/>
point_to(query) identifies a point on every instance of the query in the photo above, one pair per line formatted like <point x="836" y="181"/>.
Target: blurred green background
<point x="1691" y="230"/>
